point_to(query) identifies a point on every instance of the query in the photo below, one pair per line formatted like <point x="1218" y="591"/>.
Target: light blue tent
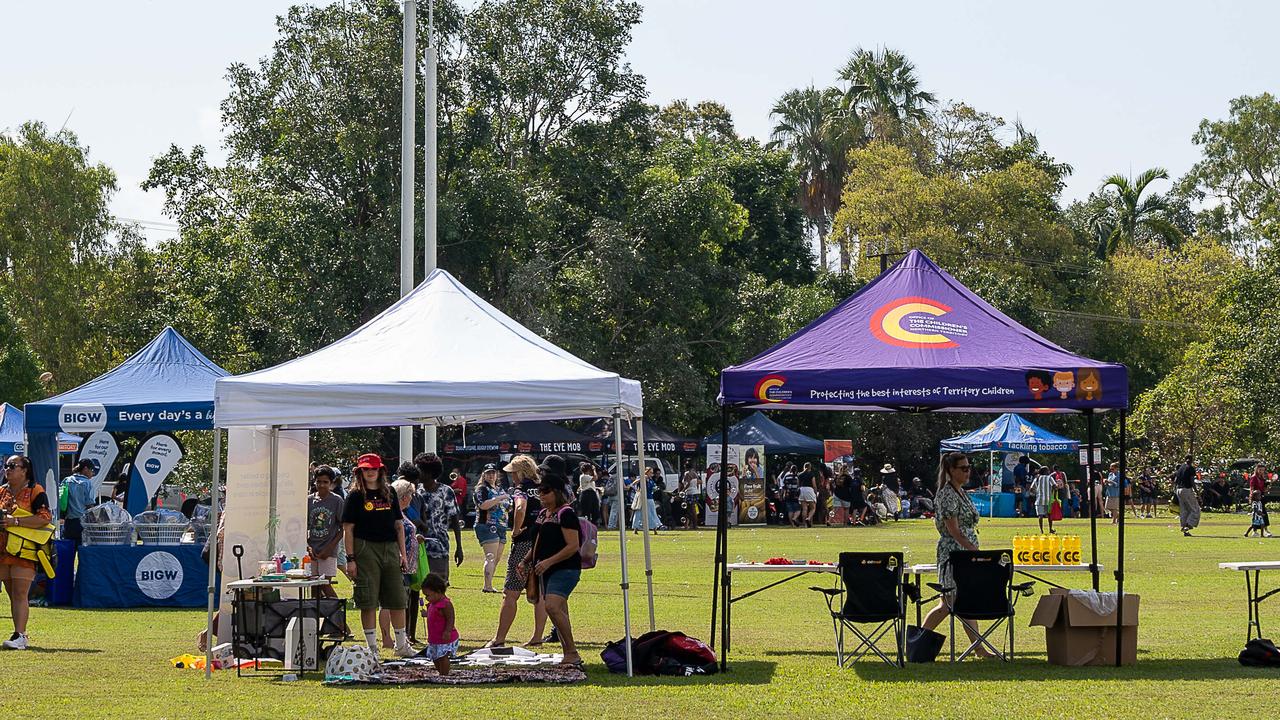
<point x="1011" y="433"/>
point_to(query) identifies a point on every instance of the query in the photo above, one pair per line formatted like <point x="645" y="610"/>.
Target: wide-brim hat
<point x="887" y="469"/>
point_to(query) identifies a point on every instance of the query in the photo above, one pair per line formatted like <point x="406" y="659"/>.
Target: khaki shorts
<point x="328" y="567"/>
<point x="1113" y="503"/>
<point x="379" y="582"/>
<point x="17" y="572"/>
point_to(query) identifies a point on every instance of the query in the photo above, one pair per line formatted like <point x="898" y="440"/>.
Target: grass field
<point x="114" y="663"/>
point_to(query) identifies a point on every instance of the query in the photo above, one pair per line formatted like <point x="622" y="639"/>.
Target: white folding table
<point x="792" y="572"/>
<point x="1253" y="588"/>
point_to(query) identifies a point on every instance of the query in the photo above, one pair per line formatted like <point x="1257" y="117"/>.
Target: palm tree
<point x="883" y="88"/>
<point x="1130" y="218"/>
<point x="811" y="125"/>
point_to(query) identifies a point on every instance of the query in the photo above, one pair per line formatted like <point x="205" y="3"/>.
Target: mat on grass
<point x="416" y="673"/>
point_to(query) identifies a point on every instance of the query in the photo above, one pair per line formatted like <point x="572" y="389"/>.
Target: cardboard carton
<point x="1077" y="635"/>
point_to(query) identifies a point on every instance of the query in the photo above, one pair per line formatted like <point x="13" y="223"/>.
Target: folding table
<point x="1253" y="587"/>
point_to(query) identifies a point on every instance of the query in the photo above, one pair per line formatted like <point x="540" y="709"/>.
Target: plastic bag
<point x="419" y="573"/>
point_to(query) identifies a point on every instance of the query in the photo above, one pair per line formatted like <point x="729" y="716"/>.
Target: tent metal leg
<point x="272" y="518"/>
<point x="1124" y="485"/>
<point x="648" y="556"/>
<point x="1093" y="501"/>
<point x="620" y="504"/>
<point x="722" y="531"/>
<point x="213" y="551"/>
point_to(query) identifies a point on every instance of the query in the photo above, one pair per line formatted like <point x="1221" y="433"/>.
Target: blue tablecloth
<point x="60" y="591"/>
<point x="1003" y="501"/>
<point x="119" y="576"/>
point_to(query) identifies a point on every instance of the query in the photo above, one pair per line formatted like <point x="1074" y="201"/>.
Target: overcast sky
<point x="1107" y="86"/>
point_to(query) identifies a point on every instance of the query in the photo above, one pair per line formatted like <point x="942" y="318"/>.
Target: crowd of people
<point x="372" y="528"/>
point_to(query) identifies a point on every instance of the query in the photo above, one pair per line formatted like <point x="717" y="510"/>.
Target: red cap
<point x="369" y="460"/>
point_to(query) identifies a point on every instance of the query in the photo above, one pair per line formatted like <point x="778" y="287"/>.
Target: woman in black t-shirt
<point x="373" y="529"/>
<point x="523" y="472"/>
<point x="555" y="553"/>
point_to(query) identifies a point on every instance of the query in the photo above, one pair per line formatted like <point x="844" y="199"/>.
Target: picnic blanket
<point x="419" y="673"/>
<point x="482" y="667"/>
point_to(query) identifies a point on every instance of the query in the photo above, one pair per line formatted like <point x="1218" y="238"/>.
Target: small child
<point x="1259" y="522"/>
<point x="442" y="633"/>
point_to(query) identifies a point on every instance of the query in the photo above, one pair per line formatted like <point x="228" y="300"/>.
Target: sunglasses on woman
<point x="14" y="465"/>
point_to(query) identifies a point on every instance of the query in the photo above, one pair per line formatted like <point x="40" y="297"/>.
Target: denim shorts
<point x="561" y="582"/>
<point x="491" y="532"/>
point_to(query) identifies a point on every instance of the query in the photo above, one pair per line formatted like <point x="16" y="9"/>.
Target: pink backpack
<point x="588" y="545"/>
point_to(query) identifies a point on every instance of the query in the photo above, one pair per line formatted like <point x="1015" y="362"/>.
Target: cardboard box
<point x="1076" y="635"/>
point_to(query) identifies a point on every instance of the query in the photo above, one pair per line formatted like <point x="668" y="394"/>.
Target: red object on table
<point x="778" y="561"/>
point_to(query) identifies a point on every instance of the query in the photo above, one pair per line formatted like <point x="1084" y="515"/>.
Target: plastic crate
<point x="108" y="534"/>
<point x="160" y="533"/>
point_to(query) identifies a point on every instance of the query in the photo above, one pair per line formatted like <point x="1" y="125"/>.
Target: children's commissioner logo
<point x="914" y="322"/>
<point x="769" y="389"/>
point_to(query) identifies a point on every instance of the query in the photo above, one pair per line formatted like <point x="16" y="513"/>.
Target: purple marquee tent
<point x="916" y="340"/>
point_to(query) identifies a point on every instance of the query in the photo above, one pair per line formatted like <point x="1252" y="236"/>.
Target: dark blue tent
<point x="1011" y="432"/>
<point x="532" y="436"/>
<point x="167" y="385"/>
<point x="12" y="424"/>
<point x="757" y="429"/>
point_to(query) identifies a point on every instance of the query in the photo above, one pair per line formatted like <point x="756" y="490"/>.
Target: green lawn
<point x="114" y="664"/>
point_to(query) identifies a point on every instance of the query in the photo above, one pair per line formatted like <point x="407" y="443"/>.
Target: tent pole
<point x="620" y="508"/>
<point x="715" y="579"/>
<point x="1093" y="504"/>
<point x="1124" y="484"/>
<point x="722" y="531"/>
<point x="213" y="552"/>
<point x="648" y="558"/>
<point x="275" y="486"/>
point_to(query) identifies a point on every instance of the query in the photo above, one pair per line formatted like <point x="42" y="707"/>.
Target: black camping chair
<point x="871" y="592"/>
<point x="983" y="591"/>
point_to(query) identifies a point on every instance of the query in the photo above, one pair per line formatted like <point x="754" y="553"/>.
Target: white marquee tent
<point x="441" y="355"/>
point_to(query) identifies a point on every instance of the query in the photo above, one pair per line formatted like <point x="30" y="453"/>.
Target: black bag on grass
<point x="661" y="652"/>
<point x="923" y="645"/>
<point x="1260" y="652"/>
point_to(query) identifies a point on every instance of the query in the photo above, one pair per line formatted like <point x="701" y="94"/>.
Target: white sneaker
<point x="17" y="641"/>
<point x="405" y="650"/>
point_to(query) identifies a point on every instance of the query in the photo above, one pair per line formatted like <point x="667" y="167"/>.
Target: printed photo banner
<point x="713" y="484"/>
<point x="752" y="501"/>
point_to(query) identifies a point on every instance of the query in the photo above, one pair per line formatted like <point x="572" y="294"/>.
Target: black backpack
<point x="1260" y="652"/>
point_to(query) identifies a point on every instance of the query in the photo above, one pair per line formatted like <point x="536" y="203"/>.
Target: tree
<point x="19" y="366"/>
<point x="53" y="219"/>
<point x="818" y="133"/>
<point x="1130" y="218"/>
<point x="1240" y="168"/>
<point x="884" y="89"/>
<point x="539" y="67"/>
<point x="982" y="222"/>
<point x="1170" y="300"/>
<point x="1196" y="409"/>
